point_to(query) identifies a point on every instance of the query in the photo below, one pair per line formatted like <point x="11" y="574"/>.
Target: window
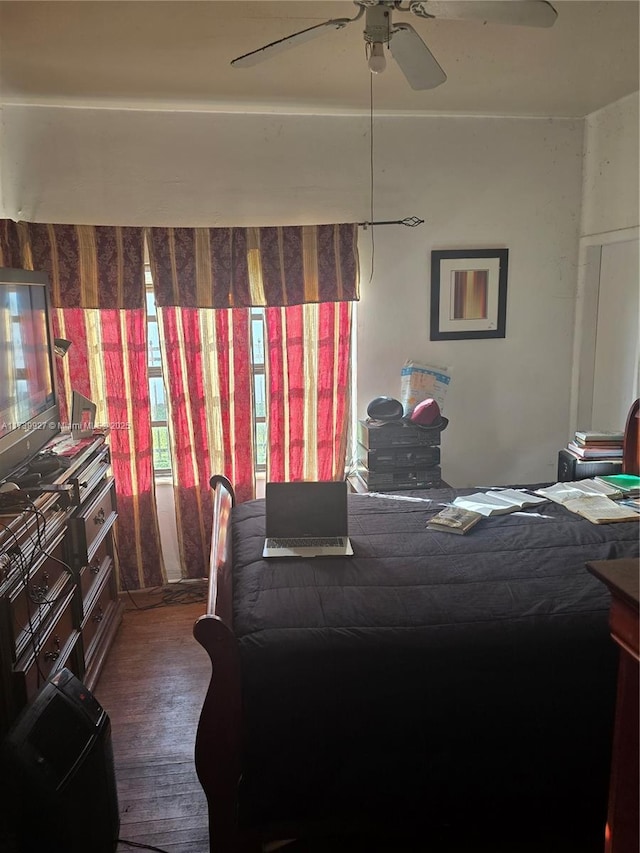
<point x="259" y="388"/>
<point x="159" y="422"/>
<point x="159" y="415"/>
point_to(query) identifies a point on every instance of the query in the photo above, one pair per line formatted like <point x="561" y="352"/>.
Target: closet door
<point x="617" y="349"/>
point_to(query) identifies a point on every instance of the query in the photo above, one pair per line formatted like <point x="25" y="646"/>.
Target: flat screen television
<point x="29" y="410"/>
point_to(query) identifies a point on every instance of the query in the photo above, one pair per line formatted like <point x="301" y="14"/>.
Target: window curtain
<point x="308" y="390"/>
<point x="12" y="236"/>
<point x="205" y="281"/>
<point x="97" y="286"/>
<point x="207" y="371"/>
<point x="207" y="368"/>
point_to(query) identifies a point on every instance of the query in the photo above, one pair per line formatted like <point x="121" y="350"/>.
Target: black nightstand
<point x="570" y="468"/>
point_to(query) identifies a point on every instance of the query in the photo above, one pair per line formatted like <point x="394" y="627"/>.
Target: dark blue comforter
<point x="432" y="676"/>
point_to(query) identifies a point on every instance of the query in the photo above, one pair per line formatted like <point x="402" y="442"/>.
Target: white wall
<point x="610" y="224"/>
<point x="478" y="182"/>
<point x="4" y="213"/>
<point x="611" y="184"/>
<point x="481" y="183"/>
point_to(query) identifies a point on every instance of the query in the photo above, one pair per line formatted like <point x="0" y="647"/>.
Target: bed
<point x="430" y="679"/>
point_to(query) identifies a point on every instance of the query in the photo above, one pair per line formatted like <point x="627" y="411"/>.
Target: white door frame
<point x="585" y="322"/>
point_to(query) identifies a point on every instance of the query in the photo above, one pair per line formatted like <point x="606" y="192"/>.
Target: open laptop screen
<point x="306" y="509"/>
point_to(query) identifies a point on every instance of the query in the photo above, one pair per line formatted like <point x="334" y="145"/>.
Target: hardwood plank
<point x="152" y="687"/>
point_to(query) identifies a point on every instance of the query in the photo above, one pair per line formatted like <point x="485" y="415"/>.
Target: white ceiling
<point x="176" y="54"/>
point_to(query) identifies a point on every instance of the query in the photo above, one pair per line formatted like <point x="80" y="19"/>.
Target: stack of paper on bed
<point x="600" y="510"/>
<point x="591" y="499"/>
<point x="454" y="519"/>
<point x="498" y="501"/>
<point x="560" y="493"/>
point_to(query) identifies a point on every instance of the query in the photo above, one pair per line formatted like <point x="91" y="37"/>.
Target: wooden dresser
<point x="58" y="596"/>
<point x="621" y="576"/>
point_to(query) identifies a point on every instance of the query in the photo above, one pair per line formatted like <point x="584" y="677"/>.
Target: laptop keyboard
<point x="317" y="542"/>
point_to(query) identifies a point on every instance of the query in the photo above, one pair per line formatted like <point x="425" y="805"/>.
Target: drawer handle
<point x="38" y="594"/>
<point x="54" y="655"/>
<point x="5" y="566"/>
<point x="100" y="517"/>
<point x="94" y="568"/>
<point x="99" y="616"/>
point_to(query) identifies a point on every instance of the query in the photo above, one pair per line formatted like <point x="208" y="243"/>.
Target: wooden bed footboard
<point x="218" y="738"/>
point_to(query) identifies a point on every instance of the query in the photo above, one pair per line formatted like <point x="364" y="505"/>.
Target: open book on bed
<point x="600" y="509"/>
<point x="560" y="493"/>
<point x="498" y="501"/>
<point x="593" y="499"/>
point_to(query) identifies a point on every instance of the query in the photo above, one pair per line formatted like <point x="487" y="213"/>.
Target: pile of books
<point x="466" y="511"/>
<point x="601" y="500"/>
<point x="601" y="446"/>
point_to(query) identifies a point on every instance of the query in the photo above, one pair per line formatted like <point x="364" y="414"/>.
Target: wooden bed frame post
<point x="631" y="445"/>
<point x="218" y="739"/>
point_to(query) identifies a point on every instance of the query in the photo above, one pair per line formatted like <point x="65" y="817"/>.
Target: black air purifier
<point x="59" y="789"/>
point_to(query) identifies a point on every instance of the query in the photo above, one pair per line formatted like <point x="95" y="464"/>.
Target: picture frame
<point x="468" y="294"/>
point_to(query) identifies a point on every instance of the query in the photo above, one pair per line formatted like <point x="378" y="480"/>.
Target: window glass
<point x="158" y="400"/>
<point x="261" y="445"/>
<point x="161" y="454"/>
<point x="257" y="339"/>
<point x="151" y="303"/>
<point x="259" y="391"/>
<point x="153" y="344"/>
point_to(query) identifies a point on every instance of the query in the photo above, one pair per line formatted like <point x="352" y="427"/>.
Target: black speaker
<point x="59" y="783"/>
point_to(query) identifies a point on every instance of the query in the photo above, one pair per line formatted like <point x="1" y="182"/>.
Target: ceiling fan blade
<point x="525" y="13"/>
<point x="294" y="39"/>
<point x="416" y="61"/>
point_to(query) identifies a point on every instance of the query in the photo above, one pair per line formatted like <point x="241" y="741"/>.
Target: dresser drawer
<point x="98" y="566"/>
<point x="98" y="613"/>
<point x="31" y="603"/>
<point x="53" y="646"/>
<point x="91" y="476"/>
<point x="92" y="523"/>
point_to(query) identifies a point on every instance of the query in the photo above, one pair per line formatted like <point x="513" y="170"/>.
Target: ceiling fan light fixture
<point x="407" y="49"/>
<point x="377" y="60"/>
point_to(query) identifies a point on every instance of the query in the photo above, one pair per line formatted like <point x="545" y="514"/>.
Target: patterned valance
<point x="102" y="266"/>
<point x="89" y="266"/>
<point x="11" y="245"/>
<point x="242" y="267"/>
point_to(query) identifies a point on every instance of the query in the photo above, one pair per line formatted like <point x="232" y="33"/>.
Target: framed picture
<point x="468" y="294"/>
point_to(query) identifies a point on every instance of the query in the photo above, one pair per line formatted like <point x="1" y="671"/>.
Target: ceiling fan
<point x="416" y="61"/>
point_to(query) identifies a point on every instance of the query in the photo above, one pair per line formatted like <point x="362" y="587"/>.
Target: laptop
<point x="307" y="519"/>
<point x="83" y="416"/>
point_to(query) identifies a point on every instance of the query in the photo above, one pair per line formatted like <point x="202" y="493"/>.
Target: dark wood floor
<point x="152" y="687"/>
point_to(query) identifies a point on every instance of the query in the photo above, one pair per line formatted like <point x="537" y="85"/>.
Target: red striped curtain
<point x="97" y="284"/>
<point x="308" y="390"/>
<point x="207" y="361"/>
<point x="313" y="270"/>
